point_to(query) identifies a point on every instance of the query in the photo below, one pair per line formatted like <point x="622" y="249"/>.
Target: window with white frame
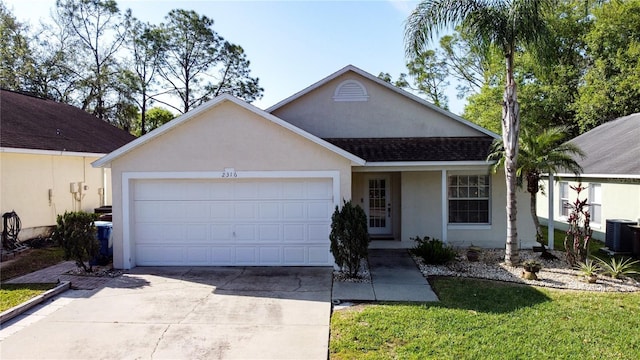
<point x="469" y="199"/>
<point x="564" y="199"/>
<point x="595" y="203"/>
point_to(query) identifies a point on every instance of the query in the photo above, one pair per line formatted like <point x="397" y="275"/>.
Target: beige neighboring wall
<point x="620" y="200"/>
<point x="317" y="113"/>
<point x="25" y="181"/>
<point x="227" y="136"/>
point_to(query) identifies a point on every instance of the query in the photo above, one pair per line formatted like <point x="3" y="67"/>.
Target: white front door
<point x="378" y="204"/>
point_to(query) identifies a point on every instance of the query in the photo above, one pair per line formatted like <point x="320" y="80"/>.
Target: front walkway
<point x="394" y="277"/>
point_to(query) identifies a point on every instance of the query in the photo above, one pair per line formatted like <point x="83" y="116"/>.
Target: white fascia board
<point x="388" y="86"/>
<point x="49" y="152"/>
<point x="597" y="176"/>
<point x="423" y="166"/>
<point x="105" y="161"/>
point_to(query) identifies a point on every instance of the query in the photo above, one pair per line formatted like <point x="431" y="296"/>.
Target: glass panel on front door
<point x="378" y="205"/>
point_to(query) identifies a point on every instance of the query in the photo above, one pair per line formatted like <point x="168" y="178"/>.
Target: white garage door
<point x="232" y="222"/>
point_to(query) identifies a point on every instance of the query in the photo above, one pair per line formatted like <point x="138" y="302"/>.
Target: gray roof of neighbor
<point x="29" y="122"/>
<point x="417" y="148"/>
<point x="612" y="148"/>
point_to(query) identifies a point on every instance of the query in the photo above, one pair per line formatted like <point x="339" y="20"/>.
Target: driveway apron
<point x="188" y="313"/>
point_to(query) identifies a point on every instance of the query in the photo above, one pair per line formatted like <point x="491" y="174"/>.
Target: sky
<point x="290" y="44"/>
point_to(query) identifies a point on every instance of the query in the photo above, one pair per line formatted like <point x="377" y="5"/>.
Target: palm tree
<point x="507" y="25"/>
<point x="539" y="153"/>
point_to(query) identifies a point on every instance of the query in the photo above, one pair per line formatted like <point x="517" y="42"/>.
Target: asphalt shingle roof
<point x="612" y="148"/>
<point x="28" y="122"/>
<point x="416" y="149"/>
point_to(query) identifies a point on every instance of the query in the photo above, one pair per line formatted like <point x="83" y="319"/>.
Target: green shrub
<point x="76" y="234"/>
<point x="618" y="267"/>
<point x="349" y="237"/>
<point x="433" y="251"/>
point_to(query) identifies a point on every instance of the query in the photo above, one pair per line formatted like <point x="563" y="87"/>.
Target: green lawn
<point x="478" y="319"/>
<point x="15" y="294"/>
<point x="30" y="261"/>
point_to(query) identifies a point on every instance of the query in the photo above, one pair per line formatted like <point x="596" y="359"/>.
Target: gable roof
<point x="28" y="122"/>
<point x="354" y="69"/>
<point x="612" y="148"/>
<point x="211" y="104"/>
<point x="417" y="149"/>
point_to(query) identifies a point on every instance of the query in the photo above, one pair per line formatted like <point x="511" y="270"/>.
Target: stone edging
<point x="19" y="309"/>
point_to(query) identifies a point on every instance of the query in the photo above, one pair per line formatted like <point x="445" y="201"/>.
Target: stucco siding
<point x="380" y="116"/>
<point x="620" y="200"/>
<point x="422" y="213"/>
<point x="226" y="137"/>
<point x="25" y="180"/>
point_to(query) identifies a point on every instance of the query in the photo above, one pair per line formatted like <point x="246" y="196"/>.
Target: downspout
<point x="444" y="206"/>
<point x="550" y="216"/>
<point x="103" y="200"/>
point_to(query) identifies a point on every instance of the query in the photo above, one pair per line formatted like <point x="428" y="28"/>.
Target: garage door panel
<point x="318" y="255"/>
<point x="221" y="210"/>
<point x="294" y="232"/>
<point x="270" y="255"/>
<point x="318" y="233"/>
<point x="270" y="190"/>
<point x="222" y="255"/>
<point x="294" y="255"/>
<point x="269" y="233"/>
<point x="155" y="255"/>
<point x="196" y="211"/>
<point x="244" y="211"/>
<point x="294" y="211"/>
<point x="232" y="222"/>
<point x="198" y="233"/>
<point x="246" y="255"/>
<point x="198" y="255"/>
<point x="269" y="211"/>
<point x="318" y="210"/>
<point x="245" y="190"/>
<point x="221" y="232"/>
<point x="317" y="189"/>
<point x="244" y="232"/>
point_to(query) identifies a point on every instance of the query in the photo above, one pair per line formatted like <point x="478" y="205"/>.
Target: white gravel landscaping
<point x="554" y="273"/>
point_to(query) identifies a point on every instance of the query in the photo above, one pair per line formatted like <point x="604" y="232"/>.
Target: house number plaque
<point x="229" y="173"/>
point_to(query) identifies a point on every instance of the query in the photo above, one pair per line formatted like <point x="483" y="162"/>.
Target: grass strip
<point x="479" y="319"/>
<point x="15" y="294"/>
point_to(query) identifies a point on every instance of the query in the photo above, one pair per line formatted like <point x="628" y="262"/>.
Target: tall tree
<point x="147" y="44"/>
<point x="200" y="64"/>
<point x="55" y="62"/>
<point x="429" y="74"/>
<point x="100" y="29"/>
<point x="612" y="81"/>
<point x="540" y="152"/>
<point x="505" y="25"/>
<point x="16" y="63"/>
<point x="156" y="117"/>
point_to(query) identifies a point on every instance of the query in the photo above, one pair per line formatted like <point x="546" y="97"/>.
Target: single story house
<point x="46" y="151"/>
<point x="611" y="173"/>
<point x="230" y="184"/>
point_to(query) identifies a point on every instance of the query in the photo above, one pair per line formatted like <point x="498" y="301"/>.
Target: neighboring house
<point x="46" y="150"/>
<point x="611" y="174"/>
<point x="230" y="184"/>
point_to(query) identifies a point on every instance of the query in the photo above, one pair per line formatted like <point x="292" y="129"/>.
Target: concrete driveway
<point x="188" y="313"/>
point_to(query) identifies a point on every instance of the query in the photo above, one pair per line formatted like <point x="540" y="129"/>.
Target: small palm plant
<point x="618" y="267"/>
<point x="588" y="270"/>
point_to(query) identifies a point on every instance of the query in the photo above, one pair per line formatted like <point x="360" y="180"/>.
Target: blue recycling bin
<point x="104" y="236"/>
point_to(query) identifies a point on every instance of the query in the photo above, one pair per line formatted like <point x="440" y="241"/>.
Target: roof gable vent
<point x="350" y="90"/>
